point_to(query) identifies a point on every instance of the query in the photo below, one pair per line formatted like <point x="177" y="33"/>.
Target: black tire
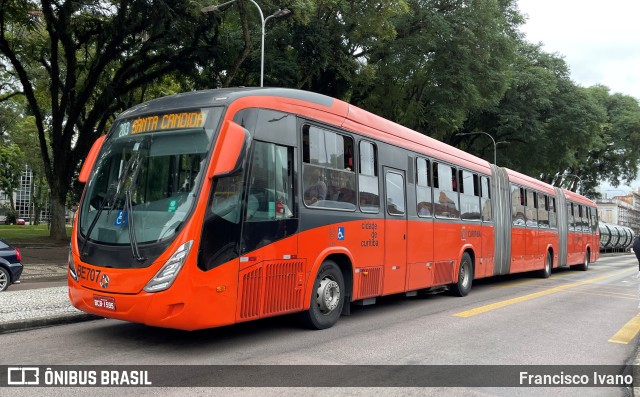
<point x="465" y="277"/>
<point x="5" y="279"/>
<point x="546" y="272"/>
<point x="587" y="260"/>
<point x="327" y="297"/>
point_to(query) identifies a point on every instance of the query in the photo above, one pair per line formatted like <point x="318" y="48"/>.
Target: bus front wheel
<point x="465" y="277"/>
<point x="327" y="297"/>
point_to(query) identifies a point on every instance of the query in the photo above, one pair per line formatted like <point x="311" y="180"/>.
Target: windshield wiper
<point x="109" y="198"/>
<point x="128" y="205"/>
<point x="132" y="230"/>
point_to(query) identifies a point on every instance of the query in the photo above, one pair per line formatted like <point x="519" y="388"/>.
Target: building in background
<point x="623" y="210"/>
<point x="23" y="198"/>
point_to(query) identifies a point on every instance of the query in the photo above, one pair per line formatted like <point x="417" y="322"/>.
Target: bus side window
<point x="348" y="154"/>
<point x="270" y="195"/>
<point x="445" y="194"/>
<point x="570" y="217"/>
<point x="328" y="178"/>
<point x="469" y="195"/>
<point x="423" y="188"/>
<point x="543" y="211"/>
<point x="221" y="226"/>
<point x="436" y="182"/>
<point x="369" y="195"/>
<point x="517" y="203"/>
<point x="532" y="205"/>
<point x="270" y="214"/>
<point x="486" y="199"/>
<point x="584" y="222"/>
<point x="553" y="216"/>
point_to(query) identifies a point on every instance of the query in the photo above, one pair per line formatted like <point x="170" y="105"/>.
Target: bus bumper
<point x="161" y="309"/>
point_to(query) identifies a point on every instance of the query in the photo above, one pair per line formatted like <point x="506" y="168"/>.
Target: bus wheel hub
<point x="328" y="295"/>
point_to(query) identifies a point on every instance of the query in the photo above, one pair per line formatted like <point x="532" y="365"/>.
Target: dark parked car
<point x="10" y="266"/>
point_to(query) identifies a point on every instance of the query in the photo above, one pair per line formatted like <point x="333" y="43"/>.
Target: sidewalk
<point x="20" y="310"/>
<point x="39" y="307"/>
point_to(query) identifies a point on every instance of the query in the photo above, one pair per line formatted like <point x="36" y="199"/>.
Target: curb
<point x="22" y="325"/>
<point x="43" y="277"/>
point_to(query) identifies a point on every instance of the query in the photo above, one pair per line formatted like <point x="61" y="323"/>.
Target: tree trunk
<point x="57" y="215"/>
<point x="39" y="191"/>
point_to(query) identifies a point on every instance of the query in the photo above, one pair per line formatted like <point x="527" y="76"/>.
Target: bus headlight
<point x="168" y="273"/>
<point x="72" y="266"/>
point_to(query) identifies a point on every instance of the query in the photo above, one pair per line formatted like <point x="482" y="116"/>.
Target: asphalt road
<point x="42" y="283"/>
<point x="572" y="318"/>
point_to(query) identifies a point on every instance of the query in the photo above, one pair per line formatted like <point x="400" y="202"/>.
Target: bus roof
<point x="385" y="130"/>
<point x="220" y="97"/>
<point x="576" y="198"/>
<point x="527" y="181"/>
<point x="353" y="118"/>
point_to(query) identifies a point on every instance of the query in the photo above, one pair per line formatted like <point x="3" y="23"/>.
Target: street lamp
<point x="277" y="14"/>
<point x="495" y="161"/>
<point x="579" y="179"/>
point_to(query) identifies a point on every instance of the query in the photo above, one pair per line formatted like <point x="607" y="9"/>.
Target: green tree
<point x="11" y="170"/>
<point x="319" y="47"/>
<point x="25" y="135"/>
<point x="449" y="58"/>
<point x="76" y="61"/>
<point x="543" y="112"/>
<point x="617" y="156"/>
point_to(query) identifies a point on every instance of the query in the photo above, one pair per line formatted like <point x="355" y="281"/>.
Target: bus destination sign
<point x="168" y="121"/>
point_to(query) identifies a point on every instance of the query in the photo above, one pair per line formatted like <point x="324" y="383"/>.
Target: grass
<point x="9" y="232"/>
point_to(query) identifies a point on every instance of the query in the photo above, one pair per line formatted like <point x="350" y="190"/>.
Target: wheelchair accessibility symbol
<point x="340" y="232"/>
<point x="121" y="219"/>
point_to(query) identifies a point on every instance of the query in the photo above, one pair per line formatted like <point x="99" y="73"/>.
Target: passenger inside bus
<point x="318" y="191"/>
<point x="348" y="152"/>
<point x="393" y="208"/>
<point x="423" y="209"/>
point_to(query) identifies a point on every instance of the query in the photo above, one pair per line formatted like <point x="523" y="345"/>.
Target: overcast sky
<point x="599" y="40"/>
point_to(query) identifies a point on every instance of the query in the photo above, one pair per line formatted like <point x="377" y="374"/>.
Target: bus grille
<point x="251" y="294"/>
<point x="271" y="288"/>
<point x="370" y="282"/>
<point x="283" y="287"/>
<point x="443" y="272"/>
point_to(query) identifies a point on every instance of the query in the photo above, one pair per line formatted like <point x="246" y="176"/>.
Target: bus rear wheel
<point x="327" y="297"/>
<point x="465" y="277"/>
<point x="546" y="272"/>
<point x="587" y="260"/>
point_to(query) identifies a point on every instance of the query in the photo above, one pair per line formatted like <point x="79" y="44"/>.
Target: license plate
<point x="104" y="302"/>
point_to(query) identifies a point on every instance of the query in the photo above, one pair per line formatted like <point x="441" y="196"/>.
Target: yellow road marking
<point x="565" y="273"/>
<point x="610" y="295"/>
<point x="513" y="301"/>
<point x="528" y="281"/>
<point x="628" y="332"/>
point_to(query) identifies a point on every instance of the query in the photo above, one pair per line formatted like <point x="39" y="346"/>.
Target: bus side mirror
<point x="228" y="148"/>
<point x="87" y="166"/>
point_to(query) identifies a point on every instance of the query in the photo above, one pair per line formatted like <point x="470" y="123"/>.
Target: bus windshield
<point x="147" y="177"/>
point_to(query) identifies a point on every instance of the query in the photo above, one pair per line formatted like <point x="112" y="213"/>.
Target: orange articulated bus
<point x="216" y="207"/>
